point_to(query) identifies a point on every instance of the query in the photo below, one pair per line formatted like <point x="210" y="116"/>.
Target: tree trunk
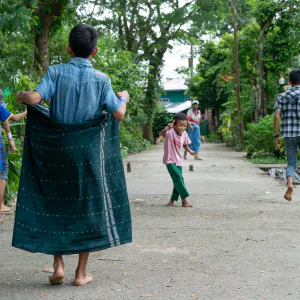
<point x="41" y="43"/>
<point x="148" y="131"/>
<point x="261" y="89"/>
<point x="152" y="92"/>
<point x="46" y="18"/>
<point x="260" y="73"/>
<point x="237" y="76"/>
<point x="265" y="92"/>
<point x="150" y="103"/>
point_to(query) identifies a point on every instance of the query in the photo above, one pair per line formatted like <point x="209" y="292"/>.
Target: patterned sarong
<point x="72" y="195"/>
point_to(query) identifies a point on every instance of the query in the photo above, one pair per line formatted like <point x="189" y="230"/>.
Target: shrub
<point x="132" y="140"/>
<point x="259" y="137"/>
<point x="161" y="120"/>
<point x="228" y="130"/>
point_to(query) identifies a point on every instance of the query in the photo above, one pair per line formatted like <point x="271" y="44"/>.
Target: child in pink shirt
<point x="176" y="138"/>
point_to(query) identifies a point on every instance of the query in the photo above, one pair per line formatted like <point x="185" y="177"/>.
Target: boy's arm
<point x="45" y="90"/>
<point x="276" y="128"/>
<point x="11" y="143"/>
<point x="187" y="148"/>
<point x="119" y="114"/>
<point x="278" y="107"/>
<point x="31" y="98"/>
<point x="18" y="117"/>
<point x="166" y="129"/>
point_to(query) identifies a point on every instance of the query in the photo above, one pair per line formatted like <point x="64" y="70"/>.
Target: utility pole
<point x="237" y="75"/>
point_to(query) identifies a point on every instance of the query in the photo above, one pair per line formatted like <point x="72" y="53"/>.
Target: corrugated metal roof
<point x="178" y="107"/>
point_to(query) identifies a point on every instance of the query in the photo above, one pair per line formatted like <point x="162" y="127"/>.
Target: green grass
<point x="213" y="137"/>
<point x="264" y="159"/>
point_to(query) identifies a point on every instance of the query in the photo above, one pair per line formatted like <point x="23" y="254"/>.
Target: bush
<point x="259" y="137"/>
<point x="161" y="120"/>
<point x="228" y="130"/>
<point x="132" y="140"/>
<point x="214" y="137"/>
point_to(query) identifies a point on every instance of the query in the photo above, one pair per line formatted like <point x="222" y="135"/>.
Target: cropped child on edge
<point x="177" y="138"/>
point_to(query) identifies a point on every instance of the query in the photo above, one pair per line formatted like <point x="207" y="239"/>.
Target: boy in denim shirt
<point x="78" y="94"/>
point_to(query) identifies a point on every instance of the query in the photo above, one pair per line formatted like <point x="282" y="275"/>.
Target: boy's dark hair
<point x="83" y="40"/>
<point x="180" y="117"/>
<point x="295" y="77"/>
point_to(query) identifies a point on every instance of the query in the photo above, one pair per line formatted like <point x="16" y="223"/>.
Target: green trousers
<point x="178" y="181"/>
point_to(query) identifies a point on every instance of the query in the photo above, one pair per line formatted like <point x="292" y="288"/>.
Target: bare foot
<point x="56" y="278"/>
<point x="171" y="203"/>
<point x="80" y="281"/>
<point x="58" y="274"/>
<point x="185" y="158"/>
<point x="289" y="193"/>
<point x="185" y="203"/>
<point x="5" y="208"/>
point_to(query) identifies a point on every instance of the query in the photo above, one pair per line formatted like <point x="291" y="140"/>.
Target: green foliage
<point x="12" y="185"/>
<point x="132" y="140"/>
<point x="228" y="130"/>
<point x="161" y="120"/>
<point x="214" y="137"/>
<point x="259" y="136"/>
<point x="272" y="26"/>
<point x="267" y="159"/>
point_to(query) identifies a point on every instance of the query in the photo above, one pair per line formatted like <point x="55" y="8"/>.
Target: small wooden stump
<point x="191" y="168"/>
<point x="128" y="167"/>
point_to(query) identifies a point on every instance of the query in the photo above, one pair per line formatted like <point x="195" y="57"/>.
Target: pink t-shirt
<point x="173" y="147"/>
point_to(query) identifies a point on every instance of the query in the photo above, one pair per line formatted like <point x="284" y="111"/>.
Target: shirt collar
<point x="80" y="61"/>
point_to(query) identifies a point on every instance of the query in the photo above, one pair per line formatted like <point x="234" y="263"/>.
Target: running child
<point x="176" y="138"/>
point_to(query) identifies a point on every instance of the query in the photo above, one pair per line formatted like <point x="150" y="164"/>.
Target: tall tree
<point x="267" y="13"/>
<point x="146" y="28"/>
<point x="43" y="16"/>
<point x="47" y="13"/>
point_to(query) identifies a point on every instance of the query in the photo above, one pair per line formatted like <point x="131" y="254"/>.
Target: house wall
<point x="175" y="96"/>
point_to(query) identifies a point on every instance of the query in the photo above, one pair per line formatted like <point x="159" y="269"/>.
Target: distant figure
<point x="194" y="119"/>
<point x="287" y="108"/>
<point x="177" y="138"/>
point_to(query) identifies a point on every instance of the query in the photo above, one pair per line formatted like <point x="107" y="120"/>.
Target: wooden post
<point x="191" y="168"/>
<point x="128" y="167"/>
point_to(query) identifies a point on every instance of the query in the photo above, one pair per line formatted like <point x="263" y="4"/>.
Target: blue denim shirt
<point x="78" y="92"/>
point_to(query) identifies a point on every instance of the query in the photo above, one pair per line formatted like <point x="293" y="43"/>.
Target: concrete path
<point x="240" y="241"/>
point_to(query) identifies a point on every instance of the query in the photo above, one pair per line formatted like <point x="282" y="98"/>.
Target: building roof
<point x="178" y="107"/>
<point x="175" y="85"/>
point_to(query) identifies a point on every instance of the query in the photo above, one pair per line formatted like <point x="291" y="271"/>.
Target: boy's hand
<point x="12" y="146"/>
<point x="123" y="94"/>
<point x="18" y="97"/>
<point x="191" y="127"/>
<point x="192" y="152"/>
<point x="170" y="126"/>
<point x="277" y="142"/>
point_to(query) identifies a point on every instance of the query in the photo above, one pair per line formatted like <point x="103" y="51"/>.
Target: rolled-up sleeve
<point x="47" y="86"/>
<point x="110" y="101"/>
<point x="278" y="104"/>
